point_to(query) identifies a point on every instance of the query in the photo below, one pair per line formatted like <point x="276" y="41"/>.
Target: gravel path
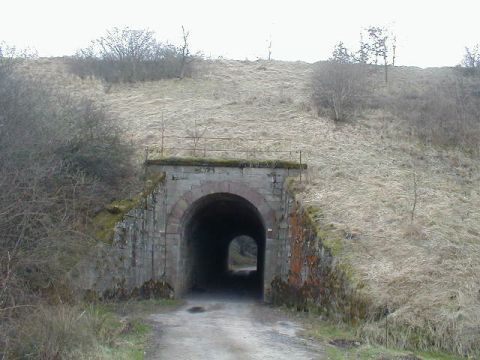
<point x="217" y="328"/>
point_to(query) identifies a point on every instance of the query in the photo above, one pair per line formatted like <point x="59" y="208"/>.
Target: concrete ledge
<point x="235" y="163"/>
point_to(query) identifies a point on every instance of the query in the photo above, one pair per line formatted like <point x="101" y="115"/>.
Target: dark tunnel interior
<point x="212" y="223"/>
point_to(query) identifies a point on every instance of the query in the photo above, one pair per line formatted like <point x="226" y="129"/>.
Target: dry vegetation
<point x="365" y="175"/>
<point x="60" y="158"/>
<point x="128" y="55"/>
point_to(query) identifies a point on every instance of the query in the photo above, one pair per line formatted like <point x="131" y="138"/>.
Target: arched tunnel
<point x="210" y="225"/>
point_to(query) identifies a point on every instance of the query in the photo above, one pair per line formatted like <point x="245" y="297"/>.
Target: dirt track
<point x="216" y="328"/>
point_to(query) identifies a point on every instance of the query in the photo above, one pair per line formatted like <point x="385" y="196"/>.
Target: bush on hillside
<point x="93" y="145"/>
<point x="340" y="89"/>
<point x="442" y="109"/>
<point x="127" y="55"/>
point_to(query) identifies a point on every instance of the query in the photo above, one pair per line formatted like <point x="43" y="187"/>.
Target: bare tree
<point x="363" y="53"/>
<point x="394" y="49"/>
<point x="128" y="55"/>
<point x="185" y="51"/>
<point x="10" y="52"/>
<point x="269" y="48"/>
<point x="471" y="58"/>
<point x="127" y="44"/>
<point x="379" y="45"/>
<point x="342" y="55"/>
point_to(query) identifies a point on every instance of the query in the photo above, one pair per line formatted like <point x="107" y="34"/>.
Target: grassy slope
<point x="360" y="175"/>
<point x="330" y="335"/>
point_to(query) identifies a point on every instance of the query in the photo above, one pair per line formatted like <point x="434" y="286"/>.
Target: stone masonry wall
<point x="263" y="187"/>
<point x="134" y="264"/>
<point x="146" y="255"/>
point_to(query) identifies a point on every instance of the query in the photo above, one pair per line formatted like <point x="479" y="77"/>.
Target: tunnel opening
<point x="213" y="223"/>
<point x="242" y="254"/>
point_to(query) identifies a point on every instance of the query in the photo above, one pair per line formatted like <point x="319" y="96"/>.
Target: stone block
<point x="173" y="228"/>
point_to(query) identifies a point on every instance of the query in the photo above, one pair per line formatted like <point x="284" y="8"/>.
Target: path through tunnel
<point x="212" y="223"/>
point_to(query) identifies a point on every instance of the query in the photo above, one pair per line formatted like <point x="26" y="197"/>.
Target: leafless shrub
<point x="127" y="55"/>
<point x="470" y="64"/>
<point x="59" y="159"/>
<point x="381" y="44"/>
<point x="186" y="56"/>
<point x="340" y="89"/>
<point x="12" y="53"/>
<point x="93" y="144"/>
<point x="471" y="58"/>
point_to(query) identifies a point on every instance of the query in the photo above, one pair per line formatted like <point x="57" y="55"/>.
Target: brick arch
<point x="180" y="209"/>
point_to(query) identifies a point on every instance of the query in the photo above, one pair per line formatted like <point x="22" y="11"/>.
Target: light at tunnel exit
<point x="213" y="225"/>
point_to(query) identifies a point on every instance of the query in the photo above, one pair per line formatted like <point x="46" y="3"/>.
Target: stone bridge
<point x="175" y="239"/>
<point x="181" y="234"/>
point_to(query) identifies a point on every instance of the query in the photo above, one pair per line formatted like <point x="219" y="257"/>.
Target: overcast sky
<point x="429" y="33"/>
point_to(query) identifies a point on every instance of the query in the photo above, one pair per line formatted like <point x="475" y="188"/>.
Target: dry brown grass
<point x="360" y="174"/>
<point x="88" y="332"/>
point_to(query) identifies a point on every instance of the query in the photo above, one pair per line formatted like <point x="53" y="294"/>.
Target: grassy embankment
<point x="365" y="175"/>
<point x="100" y="331"/>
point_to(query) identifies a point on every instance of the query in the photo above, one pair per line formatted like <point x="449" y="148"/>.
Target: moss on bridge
<point x="104" y="222"/>
<point x="238" y="163"/>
